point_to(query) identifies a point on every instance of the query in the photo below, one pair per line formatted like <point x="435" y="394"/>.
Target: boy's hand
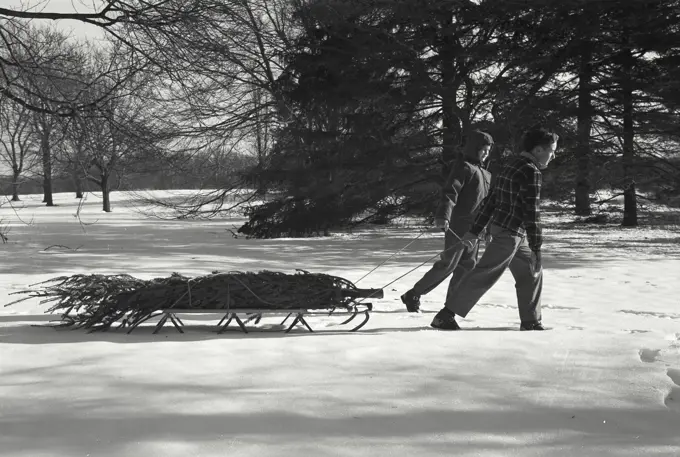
<point x="441" y="224"/>
<point x="470" y="240"/>
<point x="488" y="237"/>
<point x="536" y="264"/>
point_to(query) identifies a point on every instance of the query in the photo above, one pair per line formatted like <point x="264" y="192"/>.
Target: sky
<point x="78" y="29"/>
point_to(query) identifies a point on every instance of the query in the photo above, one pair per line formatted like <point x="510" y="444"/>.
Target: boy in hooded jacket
<point x="462" y="195"/>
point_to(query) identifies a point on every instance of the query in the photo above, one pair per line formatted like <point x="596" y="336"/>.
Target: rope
<point x="254" y="294"/>
<point x="363" y="277"/>
<point x="390" y="257"/>
<point x="184" y="294"/>
<point x="414" y="269"/>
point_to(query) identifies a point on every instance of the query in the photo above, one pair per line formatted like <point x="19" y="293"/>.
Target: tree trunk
<point x="106" y="202"/>
<point x="15" y="185"/>
<point x="451" y="124"/>
<point x="78" y="183"/>
<point x="76" y="168"/>
<point x="584" y="121"/>
<point x="450" y="127"/>
<point x="47" y="166"/>
<point x="630" y="218"/>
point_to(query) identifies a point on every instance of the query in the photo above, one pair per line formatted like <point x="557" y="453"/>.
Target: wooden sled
<point x="254" y="315"/>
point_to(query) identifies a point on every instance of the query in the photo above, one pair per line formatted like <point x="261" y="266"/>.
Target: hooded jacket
<point x="467" y="186"/>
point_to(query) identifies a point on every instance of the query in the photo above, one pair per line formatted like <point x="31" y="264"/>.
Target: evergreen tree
<point x="640" y="34"/>
<point x="382" y="91"/>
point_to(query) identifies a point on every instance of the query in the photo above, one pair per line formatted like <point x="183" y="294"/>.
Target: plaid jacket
<point x="514" y="202"/>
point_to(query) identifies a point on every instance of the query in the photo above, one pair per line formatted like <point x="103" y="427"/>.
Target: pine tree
<point x="383" y="92"/>
<point x="639" y="34"/>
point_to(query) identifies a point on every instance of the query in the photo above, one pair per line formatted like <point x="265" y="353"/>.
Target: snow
<point x="604" y="381"/>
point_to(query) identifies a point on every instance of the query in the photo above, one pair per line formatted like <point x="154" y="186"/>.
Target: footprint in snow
<point x="675" y="340"/>
<point x="495" y="305"/>
<point x="672" y="400"/>
<point x="567" y="308"/>
<point x="673" y="316"/>
<point x="649" y="355"/>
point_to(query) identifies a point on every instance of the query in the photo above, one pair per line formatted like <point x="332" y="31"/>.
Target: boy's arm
<point x="484" y="216"/>
<point x="531" y="195"/>
<point x="450" y="193"/>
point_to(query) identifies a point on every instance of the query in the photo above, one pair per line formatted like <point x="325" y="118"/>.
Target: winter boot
<point x="445" y="320"/>
<point x="412" y="301"/>
<point x="531" y="326"/>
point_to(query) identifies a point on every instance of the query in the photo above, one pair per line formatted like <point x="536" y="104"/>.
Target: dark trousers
<point x="505" y="250"/>
<point x="455" y="259"/>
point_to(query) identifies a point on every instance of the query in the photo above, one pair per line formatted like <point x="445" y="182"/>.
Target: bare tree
<point x="21" y="60"/>
<point x="44" y="127"/>
<point x="50" y="76"/>
<point x="223" y="73"/>
<point x="218" y="63"/>
<point x="102" y="142"/>
<point x="18" y="145"/>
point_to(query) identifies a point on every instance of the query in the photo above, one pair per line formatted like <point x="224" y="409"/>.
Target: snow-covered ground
<point x="605" y="380"/>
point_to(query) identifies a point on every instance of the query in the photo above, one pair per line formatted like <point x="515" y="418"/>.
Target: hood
<point x="476" y="140"/>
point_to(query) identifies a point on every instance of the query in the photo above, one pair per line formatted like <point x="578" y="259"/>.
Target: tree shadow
<point x="25" y="332"/>
<point x="50" y="334"/>
<point x="82" y="427"/>
<point x="152" y="247"/>
<point x="463" y="330"/>
<point x="403" y="311"/>
<point x="27" y="318"/>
